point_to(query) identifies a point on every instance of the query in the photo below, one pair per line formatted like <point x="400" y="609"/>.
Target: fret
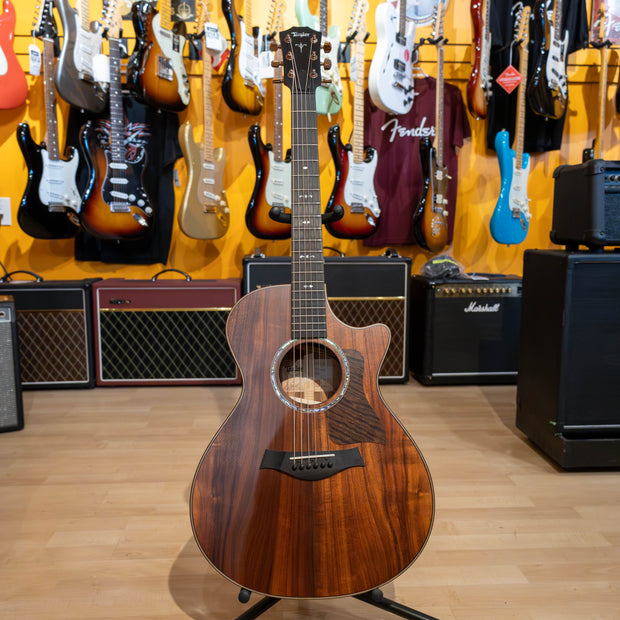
<point x="207" y="107"/>
<point x="84" y="16"/>
<point x="117" y="115"/>
<point x="50" y="100"/>
<point x="520" y="123"/>
<point x="323" y="17"/>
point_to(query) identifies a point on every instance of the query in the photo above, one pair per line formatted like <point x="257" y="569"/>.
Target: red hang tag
<point x="509" y="79"/>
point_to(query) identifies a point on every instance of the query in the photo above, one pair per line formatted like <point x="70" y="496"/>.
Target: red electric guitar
<point x="13" y="85"/>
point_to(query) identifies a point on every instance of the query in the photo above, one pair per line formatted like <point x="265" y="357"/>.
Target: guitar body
<point x="479" y="78"/>
<point x="337" y="524"/>
<point x="73" y="74"/>
<point x="272" y="187"/>
<point x="203" y="212"/>
<point x="34" y="215"/>
<point x="328" y="97"/>
<point x="158" y="70"/>
<point x="240" y="87"/>
<point x="13" y="85"/>
<point x="118" y="211"/>
<point x="547" y="91"/>
<point x="510" y="221"/>
<point x="430" y="225"/>
<point x="392" y="63"/>
<point x="354" y="190"/>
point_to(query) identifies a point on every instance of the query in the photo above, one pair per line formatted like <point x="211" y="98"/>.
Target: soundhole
<point x="310" y="374"/>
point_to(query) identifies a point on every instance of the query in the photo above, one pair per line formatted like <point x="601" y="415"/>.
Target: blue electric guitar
<point x="511" y="217"/>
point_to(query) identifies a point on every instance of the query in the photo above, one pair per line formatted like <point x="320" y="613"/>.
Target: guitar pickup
<point x="399" y="65"/>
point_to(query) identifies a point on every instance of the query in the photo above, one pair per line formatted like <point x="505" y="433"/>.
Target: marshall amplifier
<point x="11" y="406"/>
<point x="568" y="392"/>
<point x="361" y="291"/>
<point x="586" y="204"/>
<point x="465" y="330"/>
<point x="54" y="323"/>
<point x="164" y="332"/>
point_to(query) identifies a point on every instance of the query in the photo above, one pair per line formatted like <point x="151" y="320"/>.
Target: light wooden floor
<point x="94" y="516"/>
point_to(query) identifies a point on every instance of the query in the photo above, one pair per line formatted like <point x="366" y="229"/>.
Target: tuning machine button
<point x="327" y="47"/>
<point x="274" y="46"/>
<point x="327" y="64"/>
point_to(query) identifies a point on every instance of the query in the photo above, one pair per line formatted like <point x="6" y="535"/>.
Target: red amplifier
<point x="164" y="332"/>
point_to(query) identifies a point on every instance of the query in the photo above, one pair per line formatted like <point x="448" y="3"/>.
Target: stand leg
<point x="258" y="608"/>
<point x="375" y="597"/>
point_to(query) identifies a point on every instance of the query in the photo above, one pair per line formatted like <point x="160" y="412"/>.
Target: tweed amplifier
<point x="11" y="405"/>
<point x="54" y="323"/>
<point x="586" y="204"/>
<point x="361" y="291"/>
<point x="465" y="330"/>
<point x="164" y="332"/>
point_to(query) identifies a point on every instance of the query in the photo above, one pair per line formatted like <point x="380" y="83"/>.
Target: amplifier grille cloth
<point x="165" y="344"/>
<point x="390" y="312"/>
<point x="52" y="346"/>
<point x="8" y="400"/>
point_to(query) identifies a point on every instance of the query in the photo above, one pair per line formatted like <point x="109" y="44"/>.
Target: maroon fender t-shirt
<point x="398" y="178"/>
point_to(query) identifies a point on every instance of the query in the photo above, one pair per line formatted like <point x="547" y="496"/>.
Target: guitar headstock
<point x="357" y="22"/>
<point x="112" y="18"/>
<point x="440" y="12"/>
<point x="301" y="59"/>
<point x="276" y="19"/>
<point x="44" y="24"/>
<point x="522" y="33"/>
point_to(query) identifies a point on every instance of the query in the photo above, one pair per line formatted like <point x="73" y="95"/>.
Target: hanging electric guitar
<point x="547" y="92"/>
<point x="242" y="88"/>
<point x="390" y="78"/>
<point x="312" y="487"/>
<point x="51" y="200"/>
<point x="115" y="204"/>
<point x="272" y="187"/>
<point x="329" y="93"/>
<point x="354" y="185"/>
<point x="203" y="212"/>
<point x="156" y="71"/>
<point x="430" y="218"/>
<point x="13" y="85"/>
<point x="511" y="216"/>
<point x="479" y="84"/>
<point x="73" y="75"/>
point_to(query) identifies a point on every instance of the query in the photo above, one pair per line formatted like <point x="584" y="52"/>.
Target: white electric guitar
<point x="390" y="79"/>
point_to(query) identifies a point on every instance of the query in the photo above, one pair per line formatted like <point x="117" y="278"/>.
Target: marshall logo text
<point x="474" y="307"/>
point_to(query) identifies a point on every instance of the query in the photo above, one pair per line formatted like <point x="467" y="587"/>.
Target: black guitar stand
<point x="373" y="597"/>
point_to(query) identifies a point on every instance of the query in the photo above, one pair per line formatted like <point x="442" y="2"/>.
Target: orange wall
<point x="479" y="180"/>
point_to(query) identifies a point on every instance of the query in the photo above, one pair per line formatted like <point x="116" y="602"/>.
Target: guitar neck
<point x="439" y="106"/>
<point x="207" y="108"/>
<point x="308" y="300"/>
<point x="50" y="100"/>
<point x="402" y="14"/>
<point x="247" y="17"/>
<point x="84" y="16"/>
<point x="602" y="96"/>
<point x="557" y="20"/>
<point x="520" y="122"/>
<point x="117" y="115"/>
<point x="165" y="14"/>
<point x="357" y="139"/>
<point x="323" y="17"/>
<point x="278" y="145"/>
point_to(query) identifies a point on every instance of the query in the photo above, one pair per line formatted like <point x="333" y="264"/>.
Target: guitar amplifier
<point x="54" y="324"/>
<point x="586" y="204"/>
<point x="361" y="291"/>
<point x="164" y="332"/>
<point x="568" y="393"/>
<point x="465" y="330"/>
<point x="11" y="405"/>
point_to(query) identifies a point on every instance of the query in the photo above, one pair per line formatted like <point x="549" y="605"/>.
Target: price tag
<point x="101" y="68"/>
<point x="34" y="53"/>
<point x="509" y="79"/>
<point x="265" y="70"/>
<point x="214" y="41"/>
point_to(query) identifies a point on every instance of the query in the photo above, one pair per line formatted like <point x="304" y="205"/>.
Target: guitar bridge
<point x="312" y="466"/>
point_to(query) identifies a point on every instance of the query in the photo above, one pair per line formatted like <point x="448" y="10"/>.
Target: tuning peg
<point x="327" y="64"/>
<point x="275" y="64"/>
<point x="274" y="46"/>
<point x="276" y="81"/>
<point x="326" y="82"/>
<point x="327" y="47"/>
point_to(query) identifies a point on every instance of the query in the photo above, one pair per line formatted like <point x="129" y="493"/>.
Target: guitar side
<point x="257" y="212"/>
<point x="13" y="84"/>
<point x="278" y="534"/>
<point x="203" y="212"/>
<point x="35" y="217"/>
<point x="478" y="79"/>
<point x="353" y="190"/>
<point x="240" y="94"/>
<point x="97" y="216"/>
<point x="507" y="225"/>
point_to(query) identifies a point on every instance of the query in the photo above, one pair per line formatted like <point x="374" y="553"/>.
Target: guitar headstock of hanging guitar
<point x="44" y="24"/>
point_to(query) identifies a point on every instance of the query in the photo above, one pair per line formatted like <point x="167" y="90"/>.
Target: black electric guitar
<point x="115" y="204"/>
<point x="49" y="206"/>
<point x="312" y="487"/>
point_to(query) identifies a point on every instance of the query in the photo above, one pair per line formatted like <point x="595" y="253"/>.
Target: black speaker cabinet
<point x="568" y="393"/>
<point x="465" y="331"/>
<point x="164" y="332"/>
<point x="11" y="406"/>
<point x="361" y="291"/>
<point x="586" y="204"/>
<point x="54" y="322"/>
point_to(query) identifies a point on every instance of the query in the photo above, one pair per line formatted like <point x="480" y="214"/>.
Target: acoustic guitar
<point x="312" y="487"/>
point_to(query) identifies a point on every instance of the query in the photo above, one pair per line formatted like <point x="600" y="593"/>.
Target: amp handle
<point x="187" y="276"/>
<point x="9" y="276"/>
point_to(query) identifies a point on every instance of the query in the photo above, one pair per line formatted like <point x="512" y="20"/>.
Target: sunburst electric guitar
<point x="354" y="185"/>
<point x="51" y="201"/>
<point x="511" y="216"/>
<point x="479" y="83"/>
<point x="203" y="212"/>
<point x="312" y="487"/>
